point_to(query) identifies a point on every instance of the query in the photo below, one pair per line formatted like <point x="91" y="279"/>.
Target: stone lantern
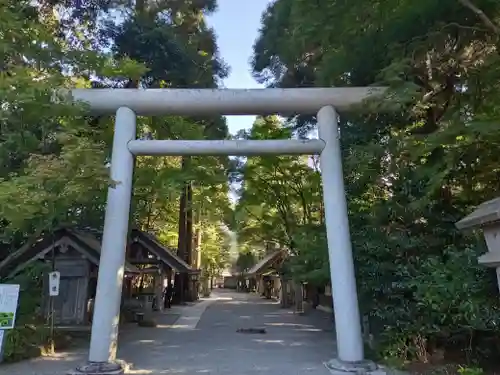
<point x="486" y="217"/>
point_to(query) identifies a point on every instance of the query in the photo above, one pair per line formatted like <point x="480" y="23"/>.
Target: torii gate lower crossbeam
<point x="128" y="103"/>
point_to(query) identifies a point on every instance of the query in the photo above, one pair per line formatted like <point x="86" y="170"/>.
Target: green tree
<point x="281" y="202"/>
<point x="172" y="39"/>
<point x="245" y="261"/>
<point x="53" y="165"/>
<point x="418" y="162"/>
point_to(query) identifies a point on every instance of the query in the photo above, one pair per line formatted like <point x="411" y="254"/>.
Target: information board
<point x="9" y="296"/>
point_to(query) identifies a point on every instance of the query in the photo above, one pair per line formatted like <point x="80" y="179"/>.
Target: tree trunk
<point x="189" y="223"/>
<point x="188" y="284"/>
<point x="196" y="261"/>
<point x="284" y="294"/>
<point x="183" y="284"/>
<point x="181" y="242"/>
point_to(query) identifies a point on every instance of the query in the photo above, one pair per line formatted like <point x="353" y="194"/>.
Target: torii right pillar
<point x="350" y="346"/>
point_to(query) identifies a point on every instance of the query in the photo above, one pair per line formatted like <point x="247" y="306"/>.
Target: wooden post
<point x="159" y="289"/>
<point x="3" y="339"/>
<point x="284" y="292"/>
<point x="299" y="306"/>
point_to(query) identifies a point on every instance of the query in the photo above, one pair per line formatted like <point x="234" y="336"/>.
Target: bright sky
<point x="237" y="23"/>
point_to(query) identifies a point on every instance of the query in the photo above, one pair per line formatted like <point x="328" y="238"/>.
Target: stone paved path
<point x="203" y="340"/>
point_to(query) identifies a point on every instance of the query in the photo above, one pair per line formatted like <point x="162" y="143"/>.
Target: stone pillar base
<point x="338" y="367"/>
<point x="101" y="368"/>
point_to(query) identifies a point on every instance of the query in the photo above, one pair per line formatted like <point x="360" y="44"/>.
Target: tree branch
<point x="481" y="15"/>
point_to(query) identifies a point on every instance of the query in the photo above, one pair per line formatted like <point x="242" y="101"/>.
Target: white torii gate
<point x="129" y="103"/>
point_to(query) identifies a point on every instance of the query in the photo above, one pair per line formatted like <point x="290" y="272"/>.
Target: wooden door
<point x="68" y="306"/>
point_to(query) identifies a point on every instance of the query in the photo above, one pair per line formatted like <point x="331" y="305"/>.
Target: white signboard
<point x="9" y="295"/>
<point x="54" y="281"/>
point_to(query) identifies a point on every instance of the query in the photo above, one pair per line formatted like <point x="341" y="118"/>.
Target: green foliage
<point x="245" y="261"/>
<point x="470" y="371"/>
<point x="214" y="249"/>
<point x="281" y="203"/>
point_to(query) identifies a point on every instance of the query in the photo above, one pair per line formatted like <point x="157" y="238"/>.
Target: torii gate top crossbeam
<point x="195" y="102"/>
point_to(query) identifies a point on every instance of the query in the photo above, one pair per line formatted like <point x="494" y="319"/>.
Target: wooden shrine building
<point x="75" y="253"/>
<point x="265" y="273"/>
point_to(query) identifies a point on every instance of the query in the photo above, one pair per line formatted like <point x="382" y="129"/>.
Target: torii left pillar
<point x="103" y="341"/>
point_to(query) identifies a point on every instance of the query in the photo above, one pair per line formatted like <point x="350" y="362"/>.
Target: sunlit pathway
<point x="292" y="345"/>
<point x="203" y="339"/>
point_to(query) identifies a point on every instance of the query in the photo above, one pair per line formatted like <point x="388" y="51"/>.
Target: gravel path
<point x="203" y="339"/>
